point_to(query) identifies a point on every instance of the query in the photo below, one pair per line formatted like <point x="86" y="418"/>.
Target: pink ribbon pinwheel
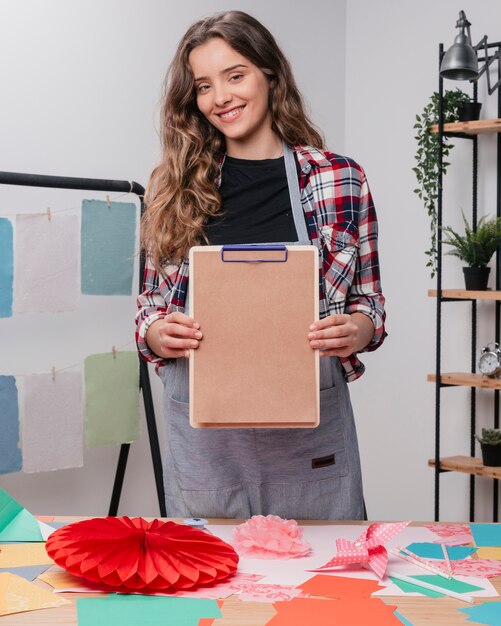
<point x="367" y="549"/>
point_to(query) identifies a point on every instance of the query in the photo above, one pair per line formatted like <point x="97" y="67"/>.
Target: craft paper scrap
<point x="16" y="523"/>
<point x="10" y="452"/>
<point x="52" y="432"/>
<point x="111" y="398"/>
<point x="452" y="534"/>
<point x="485" y="613"/>
<point x="62" y="581"/>
<point x="434" y="551"/>
<point x="484" y="568"/>
<point x="29" y="572"/>
<point x="453" y="584"/>
<point x="489" y="553"/>
<point x="403" y="619"/>
<point x="486" y="534"/>
<point x="208" y="621"/>
<point x="23" y="554"/>
<point x="237" y="583"/>
<point x="270" y="593"/>
<point x="352" y="611"/>
<point x="46" y="261"/>
<point x="409" y="588"/>
<point x="6" y="267"/>
<point x="131" y="610"/>
<point x="107" y="239"/>
<point x="19" y="595"/>
<point x="339" y="586"/>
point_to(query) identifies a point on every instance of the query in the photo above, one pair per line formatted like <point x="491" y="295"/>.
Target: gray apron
<point x="236" y="473"/>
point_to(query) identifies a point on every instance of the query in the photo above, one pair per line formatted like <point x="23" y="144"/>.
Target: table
<point x="420" y="611"/>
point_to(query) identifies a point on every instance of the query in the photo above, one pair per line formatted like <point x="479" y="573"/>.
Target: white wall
<point x="392" y="69"/>
<point x="80" y="83"/>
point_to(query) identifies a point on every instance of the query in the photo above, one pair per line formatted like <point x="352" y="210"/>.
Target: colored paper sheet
<point x="434" y="551"/>
<point x="409" y="588"/>
<point x="61" y="581"/>
<point x="339" y="587"/>
<point x="10" y="452"/>
<point x="452" y="534"/>
<point x="485" y="613"/>
<point x="484" y="568"/>
<point x="403" y="619"/>
<point x="489" y="553"/>
<point x="23" y="554"/>
<point x="52" y="434"/>
<point x="108" y="240"/>
<point x="6" y="267"/>
<point x="46" y="277"/>
<point x="29" y="572"/>
<point x="453" y="584"/>
<point x="486" y="534"/>
<point x="16" y="523"/>
<point x="352" y="611"/>
<point x="270" y="593"/>
<point x="19" y="595"/>
<point x="111" y="398"/>
<point x="131" y="610"/>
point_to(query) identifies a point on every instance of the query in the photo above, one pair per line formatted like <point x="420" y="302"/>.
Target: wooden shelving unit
<point x="467" y="465"/>
<point x="463" y="294"/>
<point x="476" y="127"/>
<point x="466" y="379"/>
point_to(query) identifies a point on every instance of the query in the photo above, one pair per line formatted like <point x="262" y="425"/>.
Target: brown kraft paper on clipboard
<point x="254" y="366"/>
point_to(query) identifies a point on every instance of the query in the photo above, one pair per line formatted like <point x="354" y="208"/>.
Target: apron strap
<point x="295" y="196"/>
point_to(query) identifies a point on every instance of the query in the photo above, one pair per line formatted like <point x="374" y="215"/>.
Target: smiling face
<point x="232" y="93"/>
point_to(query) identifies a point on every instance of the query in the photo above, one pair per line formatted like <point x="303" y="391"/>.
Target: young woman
<point x="233" y="129"/>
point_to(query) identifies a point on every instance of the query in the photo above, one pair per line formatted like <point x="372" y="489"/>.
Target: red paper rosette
<point x="133" y="554"/>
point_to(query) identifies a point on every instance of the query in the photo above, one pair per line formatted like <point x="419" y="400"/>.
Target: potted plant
<point x="475" y="248"/>
<point x="490" y="443"/>
<point x="427" y="157"/>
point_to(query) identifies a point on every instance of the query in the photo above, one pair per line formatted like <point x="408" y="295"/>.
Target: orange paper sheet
<point x="339" y="587"/>
<point x="19" y="595"/>
<point x="21" y="554"/>
<point x="489" y="553"/>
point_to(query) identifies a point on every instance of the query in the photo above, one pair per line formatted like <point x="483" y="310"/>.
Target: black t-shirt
<point x="256" y="204"/>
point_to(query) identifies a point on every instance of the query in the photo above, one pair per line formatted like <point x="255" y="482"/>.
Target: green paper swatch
<point x="16" y="523"/>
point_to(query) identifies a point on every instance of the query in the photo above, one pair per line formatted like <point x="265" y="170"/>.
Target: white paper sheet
<point x="52" y="427"/>
<point x="47" y="253"/>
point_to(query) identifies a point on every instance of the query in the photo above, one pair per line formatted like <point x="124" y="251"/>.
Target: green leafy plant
<point x="475" y="247"/>
<point x="490" y="436"/>
<point x="427" y="158"/>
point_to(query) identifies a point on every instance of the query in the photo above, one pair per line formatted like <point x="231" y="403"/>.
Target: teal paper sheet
<point x="485" y="613"/>
<point x="6" y="267"/>
<point x="10" y="452"/>
<point x="434" y="551"/>
<point x="486" y="534"/>
<point x="16" y="523"/>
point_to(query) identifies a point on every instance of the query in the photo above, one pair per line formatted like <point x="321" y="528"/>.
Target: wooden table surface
<point x="419" y="610"/>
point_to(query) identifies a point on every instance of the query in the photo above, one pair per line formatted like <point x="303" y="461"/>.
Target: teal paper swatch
<point x="10" y="453"/>
<point x="403" y="619"/>
<point x="485" y="613"/>
<point x="434" y="551"/>
<point x="108" y="247"/>
<point x="16" y="523"/>
<point x="486" y="534"/>
<point x="6" y="267"/>
<point x="410" y="588"/>
<point x="132" y="610"/>
<point x="452" y="585"/>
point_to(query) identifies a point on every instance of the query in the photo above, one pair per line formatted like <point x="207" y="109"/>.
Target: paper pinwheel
<point x="132" y="554"/>
<point x="367" y="549"/>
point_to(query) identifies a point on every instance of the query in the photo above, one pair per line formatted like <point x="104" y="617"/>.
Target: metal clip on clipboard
<point x="227" y="251"/>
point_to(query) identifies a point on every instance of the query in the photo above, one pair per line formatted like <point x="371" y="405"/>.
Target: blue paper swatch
<point x="434" y="551"/>
<point x="29" y="572"/>
<point x="6" y="267"/>
<point x="404" y="620"/>
<point x="485" y="613"/>
<point x="108" y="247"/>
<point x="486" y="534"/>
<point x="10" y="453"/>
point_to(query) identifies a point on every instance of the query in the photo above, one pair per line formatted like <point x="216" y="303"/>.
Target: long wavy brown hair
<point x="182" y="193"/>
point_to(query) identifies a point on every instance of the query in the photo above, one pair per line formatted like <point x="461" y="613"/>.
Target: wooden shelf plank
<point x="467" y="465"/>
<point x="464" y="294"/>
<point x="475" y="127"/>
<point x="466" y="379"/>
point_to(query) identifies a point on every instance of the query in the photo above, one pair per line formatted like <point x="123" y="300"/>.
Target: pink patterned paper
<point x="452" y="534"/>
<point x="367" y="549"/>
<point x="481" y="568"/>
<point x="270" y="593"/>
<point x="238" y="582"/>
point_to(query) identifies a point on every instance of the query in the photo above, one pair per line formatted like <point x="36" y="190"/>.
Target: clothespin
<point x="53" y="372"/>
<point x="108" y="201"/>
<point x="49" y="214"/>
<point x="114" y="352"/>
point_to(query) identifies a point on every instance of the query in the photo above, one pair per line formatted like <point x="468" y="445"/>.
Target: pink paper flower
<point x="270" y="537"/>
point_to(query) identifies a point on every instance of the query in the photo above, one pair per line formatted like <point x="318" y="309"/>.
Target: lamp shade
<point x="460" y="61"/>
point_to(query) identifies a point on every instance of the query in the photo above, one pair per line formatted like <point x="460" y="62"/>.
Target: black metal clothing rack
<point x="101" y="184"/>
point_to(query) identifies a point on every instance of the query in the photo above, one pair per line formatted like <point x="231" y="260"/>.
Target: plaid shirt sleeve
<point x="162" y="294"/>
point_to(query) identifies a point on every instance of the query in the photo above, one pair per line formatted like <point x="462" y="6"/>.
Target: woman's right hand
<point x="174" y="336"/>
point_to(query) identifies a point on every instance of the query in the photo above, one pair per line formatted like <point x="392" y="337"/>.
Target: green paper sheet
<point x="111" y="398"/>
<point x="452" y="585"/>
<point x="16" y="523"/>
<point x="132" y="610"/>
<point x="409" y="588"/>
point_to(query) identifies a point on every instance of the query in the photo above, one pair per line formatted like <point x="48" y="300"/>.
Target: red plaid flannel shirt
<point x="341" y="222"/>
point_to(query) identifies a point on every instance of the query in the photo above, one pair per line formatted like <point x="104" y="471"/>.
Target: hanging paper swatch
<point x="6" y="267"/>
<point x="53" y="422"/>
<point x="10" y="453"/>
<point x="111" y="398"/>
<point x="108" y="241"/>
<point x="46" y="277"/>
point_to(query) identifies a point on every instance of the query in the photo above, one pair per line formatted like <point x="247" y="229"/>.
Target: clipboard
<point x="254" y="367"/>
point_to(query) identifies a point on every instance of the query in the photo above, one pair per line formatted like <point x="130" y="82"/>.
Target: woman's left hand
<point x="341" y="334"/>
